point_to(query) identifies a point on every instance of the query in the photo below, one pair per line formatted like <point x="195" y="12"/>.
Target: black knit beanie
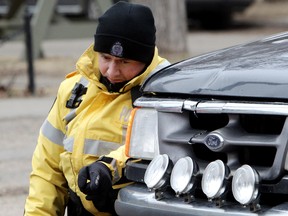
<point x="126" y="30"/>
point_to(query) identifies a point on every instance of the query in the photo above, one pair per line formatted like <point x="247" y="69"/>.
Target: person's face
<point x="117" y="69"/>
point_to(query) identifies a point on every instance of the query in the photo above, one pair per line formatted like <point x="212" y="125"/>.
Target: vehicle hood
<point x="258" y="69"/>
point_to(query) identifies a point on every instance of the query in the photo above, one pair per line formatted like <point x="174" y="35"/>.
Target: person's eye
<point x="105" y="57"/>
<point x="124" y="61"/>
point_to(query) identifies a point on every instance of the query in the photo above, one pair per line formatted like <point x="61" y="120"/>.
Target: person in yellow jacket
<point x="80" y="151"/>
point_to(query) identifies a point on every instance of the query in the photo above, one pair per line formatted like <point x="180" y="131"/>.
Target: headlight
<point x="158" y="172"/>
<point x="183" y="175"/>
<point x="142" y="134"/>
<point x="245" y="184"/>
<point x="214" y="179"/>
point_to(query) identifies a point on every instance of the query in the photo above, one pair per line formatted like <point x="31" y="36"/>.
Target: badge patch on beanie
<point x="117" y="49"/>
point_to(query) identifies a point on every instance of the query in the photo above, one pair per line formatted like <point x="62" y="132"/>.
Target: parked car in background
<point x="209" y="13"/>
<point x="209" y="136"/>
<point x="215" y="13"/>
<point x="81" y="8"/>
<point x="3" y="7"/>
<point x="87" y="8"/>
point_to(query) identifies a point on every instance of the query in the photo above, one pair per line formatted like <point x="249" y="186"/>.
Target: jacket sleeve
<point x="48" y="187"/>
<point x="118" y="163"/>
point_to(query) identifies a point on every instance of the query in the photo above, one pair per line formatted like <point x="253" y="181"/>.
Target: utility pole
<point x="29" y="50"/>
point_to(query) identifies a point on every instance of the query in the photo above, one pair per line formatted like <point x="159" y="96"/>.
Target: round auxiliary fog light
<point x="157" y="172"/>
<point x="245" y="184"/>
<point x="214" y="179"/>
<point x="183" y="175"/>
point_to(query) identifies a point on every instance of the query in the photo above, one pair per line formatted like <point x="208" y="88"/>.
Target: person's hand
<point x="95" y="181"/>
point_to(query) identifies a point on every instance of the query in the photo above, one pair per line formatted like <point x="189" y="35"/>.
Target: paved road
<point x="20" y="119"/>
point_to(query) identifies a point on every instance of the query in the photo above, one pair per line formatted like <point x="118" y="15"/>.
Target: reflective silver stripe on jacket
<point x="116" y="173"/>
<point x="68" y="144"/>
<point x="72" y="114"/>
<point x="98" y="147"/>
<point x="53" y="134"/>
<point x="93" y="147"/>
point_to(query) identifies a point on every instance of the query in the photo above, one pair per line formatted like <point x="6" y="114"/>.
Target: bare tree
<point x="171" y="24"/>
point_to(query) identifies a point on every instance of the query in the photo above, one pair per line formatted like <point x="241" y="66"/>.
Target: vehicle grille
<point x="257" y="137"/>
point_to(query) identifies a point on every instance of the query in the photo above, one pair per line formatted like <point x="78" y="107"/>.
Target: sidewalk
<point x="20" y="120"/>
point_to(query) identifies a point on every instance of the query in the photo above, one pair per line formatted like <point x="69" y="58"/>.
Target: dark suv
<point x="215" y="13"/>
<point x="209" y="136"/>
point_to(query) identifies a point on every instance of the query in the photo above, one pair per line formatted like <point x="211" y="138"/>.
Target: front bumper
<point x="137" y="200"/>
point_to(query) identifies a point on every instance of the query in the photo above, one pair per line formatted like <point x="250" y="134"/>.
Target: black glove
<point x="95" y="181"/>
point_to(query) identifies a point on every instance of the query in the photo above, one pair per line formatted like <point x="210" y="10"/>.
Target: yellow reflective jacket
<point x="71" y="138"/>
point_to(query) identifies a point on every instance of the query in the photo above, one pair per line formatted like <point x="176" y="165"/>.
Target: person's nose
<point x="113" y="69"/>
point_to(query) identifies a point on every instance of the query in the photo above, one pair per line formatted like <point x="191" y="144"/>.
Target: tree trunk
<point x="171" y="24"/>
